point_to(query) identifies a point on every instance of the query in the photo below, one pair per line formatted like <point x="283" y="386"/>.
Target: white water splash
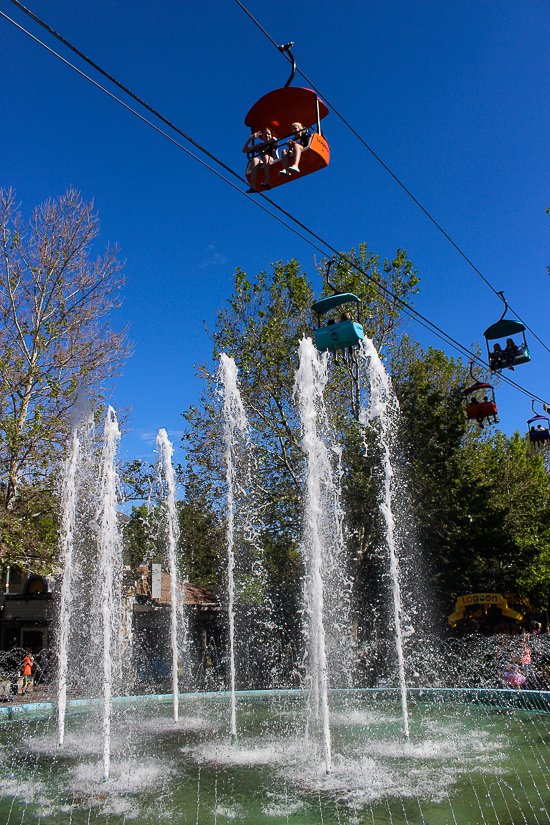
<point x="234" y="423"/>
<point x="311" y="379"/>
<point x="383" y="408"/>
<point x="81" y="417"/>
<point x="110" y="566"/>
<point x="165" y="449"/>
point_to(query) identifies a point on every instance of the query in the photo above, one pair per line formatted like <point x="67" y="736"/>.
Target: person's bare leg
<point x="267" y="167"/>
<point x="284" y="171"/>
<point x="254" y="175"/>
<point x="296" y="155"/>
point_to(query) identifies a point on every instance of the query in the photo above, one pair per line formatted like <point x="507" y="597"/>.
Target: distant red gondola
<point x="477" y="410"/>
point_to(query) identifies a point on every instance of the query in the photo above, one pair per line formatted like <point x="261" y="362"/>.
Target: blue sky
<point x="453" y="96"/>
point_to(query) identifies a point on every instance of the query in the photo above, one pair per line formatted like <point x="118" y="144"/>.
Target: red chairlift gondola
<point x="278" y="111"/>
<point x="479" y="410"/>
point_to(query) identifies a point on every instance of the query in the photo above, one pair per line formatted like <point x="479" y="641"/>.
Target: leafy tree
<point x="520" y="494"/>
<point x="261" y="327"/>
<point x="141" y="537"/>
<point x="54" y="334"/>
<point x="201" y="538"/>
<point x="479" y="498"/>
<point x="202" y="543"/>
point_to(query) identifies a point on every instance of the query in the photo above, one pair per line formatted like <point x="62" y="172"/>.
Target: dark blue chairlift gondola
<point x="539" y="428"/>
<point x="337" y="335"/>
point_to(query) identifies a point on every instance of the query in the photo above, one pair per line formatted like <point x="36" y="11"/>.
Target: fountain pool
<point x="326" y="754"/>
<point x="484" y="761"/>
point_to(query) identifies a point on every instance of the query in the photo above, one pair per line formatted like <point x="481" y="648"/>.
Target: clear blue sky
<point x="452" y="95"/>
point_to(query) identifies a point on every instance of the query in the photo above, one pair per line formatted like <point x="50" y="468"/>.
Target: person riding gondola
<point x="477" y="410"/>
<point x="539" y="430"/>
<point x="293" y="115"/>
<point x="510" y="352"/>
<point x="265" y="153"/>
<point x="513" y="354"/>
<point x="299" y="141"/>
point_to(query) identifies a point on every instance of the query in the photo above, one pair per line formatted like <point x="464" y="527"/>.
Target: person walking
<point x="527" y="668"/>
<point x="27" y="673"/>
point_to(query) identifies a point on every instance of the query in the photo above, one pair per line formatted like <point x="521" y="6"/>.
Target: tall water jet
<point x="81" y="416"/>
<point x="234" y="422"/>
<point x="383" y="407"/>
<point x="110" y="567"/>
<point x="166" y="451"/>
<point x="311" y="379"/>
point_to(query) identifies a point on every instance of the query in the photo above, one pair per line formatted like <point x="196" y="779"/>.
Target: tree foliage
<point x="479" y="500"/>
<point x="55" y="303"/>
<point x="260" y="327"/>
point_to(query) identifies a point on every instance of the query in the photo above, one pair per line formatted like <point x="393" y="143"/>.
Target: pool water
<point x="463" y="765"/>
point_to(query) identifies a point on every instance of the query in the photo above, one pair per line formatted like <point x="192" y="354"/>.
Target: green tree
<point x="141" y="537"/>
<point x="480" y="499"/>
<point x="261" y="327"/>
<point x="55" y="302"/>
<point x="202" y="543"/>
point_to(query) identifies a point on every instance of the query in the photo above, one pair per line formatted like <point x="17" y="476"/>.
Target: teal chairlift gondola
<point x="341" y="336"/>
<point x="337" y="335"/>
<point x="502" y="355"/>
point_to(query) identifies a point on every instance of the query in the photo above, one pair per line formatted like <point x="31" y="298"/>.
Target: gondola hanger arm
<point x="503" y="299"/>
<point x="286" y="49"/>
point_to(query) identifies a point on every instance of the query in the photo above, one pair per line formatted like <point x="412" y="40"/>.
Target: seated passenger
<point x="267" y="153"/>
<point x="495" y="357"/>
<point x="510" y="353"/>
<point x="293" y="150"/>
<point x="345" y="316"/>
<point x="473" y="402"/>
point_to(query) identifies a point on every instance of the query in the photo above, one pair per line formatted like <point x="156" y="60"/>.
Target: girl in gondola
<point x="293" y="151"/>
<point x="267" y="154"/>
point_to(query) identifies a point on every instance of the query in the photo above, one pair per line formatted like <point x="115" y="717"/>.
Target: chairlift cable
<point x="165" y="134"/>
<point x="406" y="308"/>
<point x="393" y="175"/>
<point x="150" y="109"/>
<point x="115" y="81"/>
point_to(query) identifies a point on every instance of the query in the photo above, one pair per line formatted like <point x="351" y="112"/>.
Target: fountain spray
<point x="384" y="407"/>
<point x="166" y="451"/>
<point x="81" y="416"/>
<point x="110" y="565"/>
<point x="311" y="379"/>
<point x="234" y="423"/>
